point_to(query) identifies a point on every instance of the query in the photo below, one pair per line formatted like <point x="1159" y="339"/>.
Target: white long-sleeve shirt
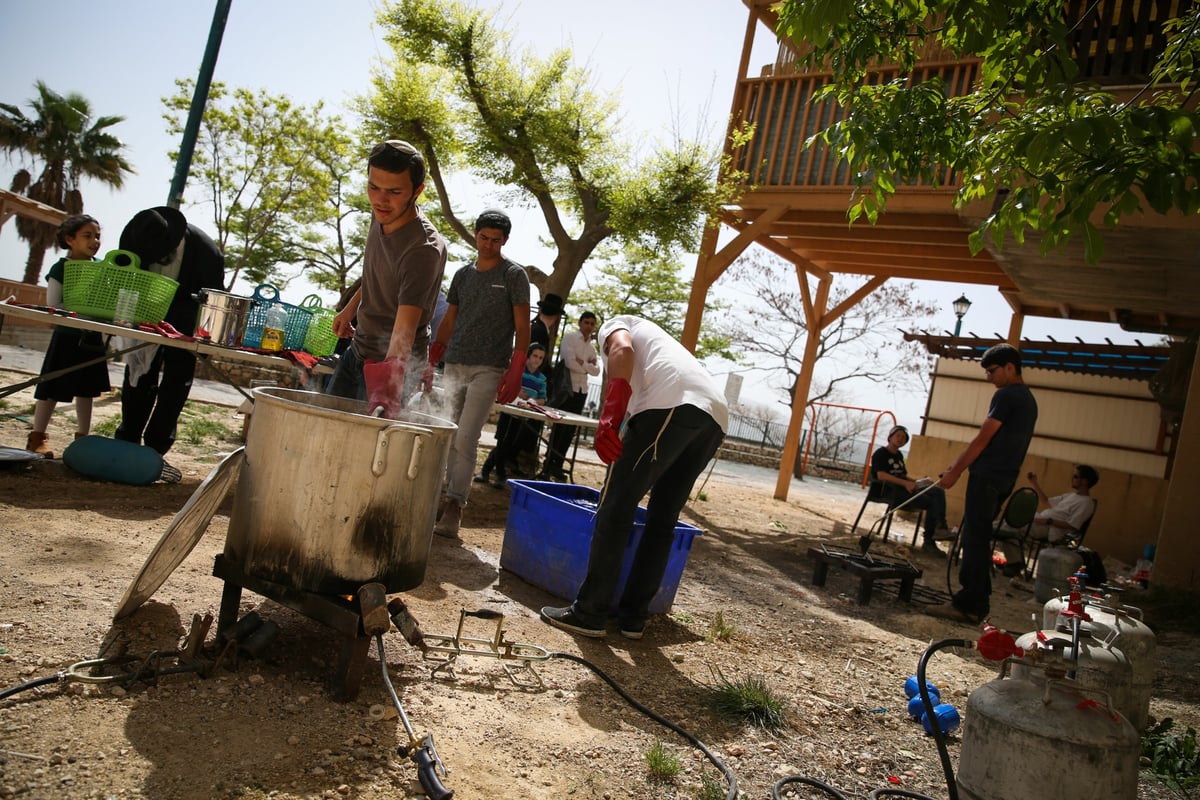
<point x="581" y="359"/>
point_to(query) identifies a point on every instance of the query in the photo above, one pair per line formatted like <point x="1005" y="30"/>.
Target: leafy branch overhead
<point x="278" y="180"/>
<point x="457" y="87"/>
<point x="1063" y="152"/>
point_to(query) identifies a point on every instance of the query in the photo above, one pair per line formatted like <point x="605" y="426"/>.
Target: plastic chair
<point x="877" y="493"/>
<point x="1073" y="539"/>
<point x="1016" y="521"/>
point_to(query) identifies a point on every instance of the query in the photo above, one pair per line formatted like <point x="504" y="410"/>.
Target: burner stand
<point x="335" y="612"/>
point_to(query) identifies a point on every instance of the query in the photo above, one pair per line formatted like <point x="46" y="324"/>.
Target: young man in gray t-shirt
<point x="482" y="339"/>
<point x="403" y="264"/>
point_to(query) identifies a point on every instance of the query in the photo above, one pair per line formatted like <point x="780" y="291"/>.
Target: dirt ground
<point x="268" y="726"/>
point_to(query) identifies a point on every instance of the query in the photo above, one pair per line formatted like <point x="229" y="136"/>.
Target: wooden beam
<point x="1015" y="324"/>
<point x="791" y="443"/>
<point x="930" y="273"/>
<point x="12" y="203"/>
<point x="715" y="264"/>
<point x="690" y="335"/>
<point x="804" y="218"/>
<point x="877" y="240"/>
<point x="902" y="259"/>
<point x="852" y="300"/>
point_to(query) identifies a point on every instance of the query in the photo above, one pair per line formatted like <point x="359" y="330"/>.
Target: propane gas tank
<point x="1122" y="627"/>
<point x="1055" y="566"/>
<point x="1098" y="666"/>
<point x="1041" y="738"/>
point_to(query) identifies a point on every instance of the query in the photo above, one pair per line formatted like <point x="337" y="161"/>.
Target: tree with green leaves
<point x="1053" y="149"/>
<point x="333" y="233"/>
<point x="864" y="343"/>
<point x="646" y="283"/>
<point x="67" y="143"/>
<point x="457" y="88"/>
<point x="271" y="171"/>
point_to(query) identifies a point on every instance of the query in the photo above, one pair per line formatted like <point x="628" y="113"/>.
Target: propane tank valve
<point x="997" y="645"/>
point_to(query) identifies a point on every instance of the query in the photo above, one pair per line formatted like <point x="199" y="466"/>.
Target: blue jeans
<point x="664" y="451"/>
<point x="932" y="502"/>
<point x="985" y="494"/>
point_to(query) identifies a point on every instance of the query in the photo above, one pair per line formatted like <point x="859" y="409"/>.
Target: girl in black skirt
<point x="79" y="235"/>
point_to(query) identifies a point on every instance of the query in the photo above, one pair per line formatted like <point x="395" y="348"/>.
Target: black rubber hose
<point x="62" y="676"/>
<point x="661" y="720"/>
<point x="824" y="787"/>
<point x="938" y="736"/>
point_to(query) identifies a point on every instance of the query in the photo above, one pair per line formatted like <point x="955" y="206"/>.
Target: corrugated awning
<point x="1135" y="362"/>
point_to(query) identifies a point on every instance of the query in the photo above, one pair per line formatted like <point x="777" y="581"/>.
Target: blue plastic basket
<point x="549" y="533"/>
<point x="296" y="328"/>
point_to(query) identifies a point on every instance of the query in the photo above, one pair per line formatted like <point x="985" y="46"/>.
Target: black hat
<point x="154" y="233"/>
<point x="551" y="305"/>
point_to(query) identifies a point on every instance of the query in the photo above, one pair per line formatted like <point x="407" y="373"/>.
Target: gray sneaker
<point x="449" y="521"/>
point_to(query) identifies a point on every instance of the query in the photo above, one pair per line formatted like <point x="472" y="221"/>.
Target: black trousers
<point x="561" y="436"/>
<point x="150" y="408"/>
<point x="664" y="451"/>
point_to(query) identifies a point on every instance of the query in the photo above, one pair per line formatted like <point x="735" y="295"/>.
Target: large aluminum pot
<point x="221" y="318"/>
<point x="329" y="498"/>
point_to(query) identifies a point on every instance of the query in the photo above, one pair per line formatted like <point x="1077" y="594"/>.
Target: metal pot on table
<point x="221" y="318"/>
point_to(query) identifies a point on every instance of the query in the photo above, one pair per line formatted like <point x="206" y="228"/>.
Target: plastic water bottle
<point x="272" y="336"/>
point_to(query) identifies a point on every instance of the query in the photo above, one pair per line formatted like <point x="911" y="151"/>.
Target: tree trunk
<point x="33" y="267"/>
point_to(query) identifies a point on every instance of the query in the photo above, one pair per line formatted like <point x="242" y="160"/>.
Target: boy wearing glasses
<point x="993" y="459"/>
<point x="403" y="264"/>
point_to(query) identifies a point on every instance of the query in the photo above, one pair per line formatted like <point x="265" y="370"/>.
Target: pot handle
<point x="382" y="442"/>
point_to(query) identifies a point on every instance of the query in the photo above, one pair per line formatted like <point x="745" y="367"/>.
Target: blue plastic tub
<point x="549" y="533"/>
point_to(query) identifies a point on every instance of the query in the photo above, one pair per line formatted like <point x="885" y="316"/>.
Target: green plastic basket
<point x="320" y="339"/>
<point x="90" y="287"/>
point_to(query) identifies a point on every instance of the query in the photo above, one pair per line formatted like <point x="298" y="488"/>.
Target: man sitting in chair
<point x="1061" y="515"/>
<point x="888" y="467"/>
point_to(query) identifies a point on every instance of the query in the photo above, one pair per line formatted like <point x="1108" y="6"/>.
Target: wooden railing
<point x="1113" y="42"/>
<point x="785" y="116"/>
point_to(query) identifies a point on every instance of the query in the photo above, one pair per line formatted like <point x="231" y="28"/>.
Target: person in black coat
<point x="158" y="380"/>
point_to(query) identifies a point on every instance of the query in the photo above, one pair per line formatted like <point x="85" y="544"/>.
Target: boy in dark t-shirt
<point x="994" y="458"/>
<point x="888" y="467"/>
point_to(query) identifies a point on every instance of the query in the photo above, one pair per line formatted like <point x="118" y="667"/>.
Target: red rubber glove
<point x="608" y="432"/>
<point x="510" y="384"/>
<point x="385" y="386"/>
<point x="437" y="351"/>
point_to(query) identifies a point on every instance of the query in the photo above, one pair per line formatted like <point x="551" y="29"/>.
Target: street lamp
<point x="960" y="310"/>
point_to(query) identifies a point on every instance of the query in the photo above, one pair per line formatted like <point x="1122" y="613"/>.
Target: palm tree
<point x="70" y="145"/>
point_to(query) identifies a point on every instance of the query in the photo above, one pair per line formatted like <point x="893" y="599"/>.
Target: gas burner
<point x="338" y="613"/>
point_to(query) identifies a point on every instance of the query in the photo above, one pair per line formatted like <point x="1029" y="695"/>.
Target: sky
<point x="673" y="65"/>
